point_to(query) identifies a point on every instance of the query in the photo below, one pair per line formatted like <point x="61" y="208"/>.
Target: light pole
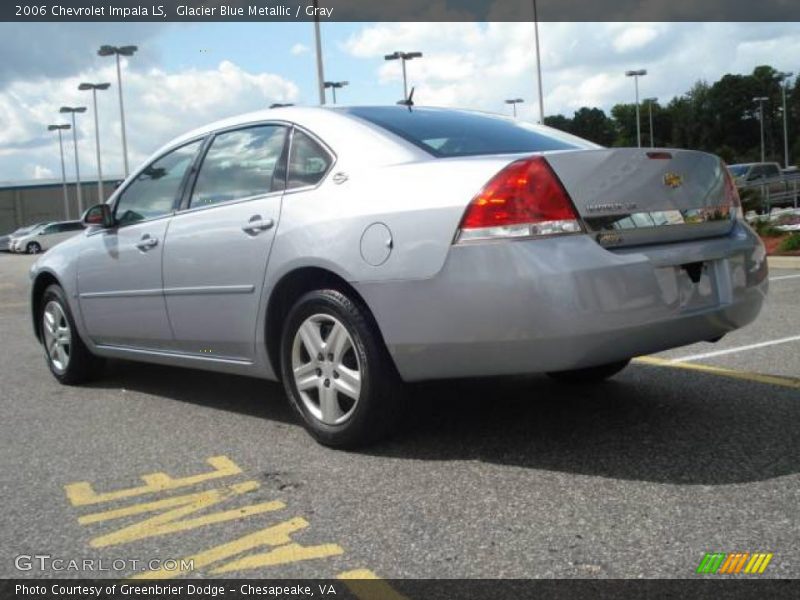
<point x="636" y="74"/>
<point x="403" y="57"/>
<point x="118" y="51"/>
<point x="94" y="87"/>
<point x="513" y="102"/>
<point x="785" y="79"/>
<point x="761" y="100"/>
<point x="650" y="102"/>
<point x="538" y="62"/>
<point x="335" y="85"/>
<point x="318" y="49"/>
<point x="59" y="129"/>
<point x="72" y="110"/>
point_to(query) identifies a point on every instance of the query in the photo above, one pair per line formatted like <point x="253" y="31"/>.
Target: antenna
<point x="409" y="102"/>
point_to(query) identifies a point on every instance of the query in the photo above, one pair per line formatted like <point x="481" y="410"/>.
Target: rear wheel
<point x="590" y="374"/>
<point x="33" y="248"/>
<point x="68" y="358"/>
<point x="337" y="372"/>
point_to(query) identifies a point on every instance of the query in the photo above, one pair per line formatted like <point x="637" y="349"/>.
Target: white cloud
<point x="633" y="38"/>
<point x="158" y="106"/>
<point x="298" y="49"/>
<point x="478" y="65"/>
<point x="40" y="172"/>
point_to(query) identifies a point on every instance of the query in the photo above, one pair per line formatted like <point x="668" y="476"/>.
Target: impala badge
<point x="673" y="180"/>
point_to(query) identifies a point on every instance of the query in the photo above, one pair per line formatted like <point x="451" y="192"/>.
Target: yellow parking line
<point x="366" y="585"/>
<point x="788" y="382"/>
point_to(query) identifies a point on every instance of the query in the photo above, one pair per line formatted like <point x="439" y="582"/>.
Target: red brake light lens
<point x="525" y="199"/>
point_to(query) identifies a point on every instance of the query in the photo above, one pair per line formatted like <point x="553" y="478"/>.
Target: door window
<point x="308" y="161"/>
<point x="241" y="164"/>
<point x="152" y="194"/>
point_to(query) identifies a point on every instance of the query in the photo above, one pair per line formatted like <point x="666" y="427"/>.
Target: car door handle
<point x="146" y="243"/>
<point x="256" y="225"/>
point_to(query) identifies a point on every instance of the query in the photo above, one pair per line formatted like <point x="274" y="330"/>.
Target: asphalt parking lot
<point x="516" y="477"/>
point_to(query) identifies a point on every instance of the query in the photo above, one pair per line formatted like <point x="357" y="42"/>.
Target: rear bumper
<point x="565" y="303"/>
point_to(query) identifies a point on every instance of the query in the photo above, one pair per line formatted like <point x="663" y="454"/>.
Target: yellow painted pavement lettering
<point x="276" y="535"/>
<point x="82" y="493"/>
<point x="368" y="586"/>
<point x="168" y="522"/>
<point x="281" y="555"/>
<point x="137" y="509"/>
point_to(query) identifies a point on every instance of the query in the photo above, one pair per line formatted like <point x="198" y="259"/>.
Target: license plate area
<point x="696" y="286"/>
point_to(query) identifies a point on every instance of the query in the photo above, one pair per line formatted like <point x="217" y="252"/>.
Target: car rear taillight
<point x="525" y="199"/>
<point x="732" y="199"/>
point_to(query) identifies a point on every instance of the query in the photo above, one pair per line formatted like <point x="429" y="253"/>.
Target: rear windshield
<point x="446" y="132"/>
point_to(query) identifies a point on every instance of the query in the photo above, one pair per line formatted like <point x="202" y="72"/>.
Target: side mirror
<point x="98" y="215"/>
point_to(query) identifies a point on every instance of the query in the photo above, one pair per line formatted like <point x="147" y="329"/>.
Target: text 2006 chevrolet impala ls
<point x="346" y="250"/>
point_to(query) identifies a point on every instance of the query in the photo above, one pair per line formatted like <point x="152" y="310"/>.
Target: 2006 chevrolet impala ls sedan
<point x="347" y="250"/>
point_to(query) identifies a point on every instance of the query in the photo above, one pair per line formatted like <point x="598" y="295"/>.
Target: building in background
<point x="37" y="200"/>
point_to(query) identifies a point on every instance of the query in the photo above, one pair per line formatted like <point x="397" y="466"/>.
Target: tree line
<point x="721" y="117"/>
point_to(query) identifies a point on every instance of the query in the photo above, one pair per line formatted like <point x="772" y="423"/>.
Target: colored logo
<point x="673" y="180"/>
<point x="734" y="563"/>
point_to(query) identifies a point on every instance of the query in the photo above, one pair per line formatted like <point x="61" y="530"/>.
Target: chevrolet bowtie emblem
<point x="673" y="180"/>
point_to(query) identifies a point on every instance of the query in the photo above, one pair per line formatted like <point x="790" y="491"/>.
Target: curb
<point x="783" y="262"/>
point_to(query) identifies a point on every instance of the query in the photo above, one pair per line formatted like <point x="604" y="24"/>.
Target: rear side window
<point x="308" y="161"/>
<point x="240" y="164"/>
<point x="448" y="133"/>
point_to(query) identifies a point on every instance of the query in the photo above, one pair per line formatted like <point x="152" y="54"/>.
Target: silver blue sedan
<point x="345" y="251"/>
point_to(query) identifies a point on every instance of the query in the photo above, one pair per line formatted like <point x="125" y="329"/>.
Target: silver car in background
<point x="345" y="251"/>
<point x="6" y="240"/>
<point x="45" y="236"/>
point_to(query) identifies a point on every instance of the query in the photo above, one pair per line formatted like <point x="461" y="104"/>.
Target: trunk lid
<point x="632" y="196"/>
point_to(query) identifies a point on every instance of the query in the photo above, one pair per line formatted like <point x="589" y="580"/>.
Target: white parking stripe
<point x="784" y="277"/>
<point x="692" y="357"/>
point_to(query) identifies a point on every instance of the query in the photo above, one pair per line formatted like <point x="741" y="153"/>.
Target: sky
<point x="189" y="74"/>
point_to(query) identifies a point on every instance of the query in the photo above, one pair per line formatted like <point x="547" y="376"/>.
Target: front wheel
<point x="33" y="248"/>
<point x="590" y="374"/>
<point x="337" y="372"/>
<point x="68" y="358"/>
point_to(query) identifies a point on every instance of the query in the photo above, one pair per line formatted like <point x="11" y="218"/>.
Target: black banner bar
<point x="399" y="10"/>
<point x="399" y="589"/>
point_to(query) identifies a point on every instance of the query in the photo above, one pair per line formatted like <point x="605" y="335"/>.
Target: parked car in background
<point x="345" y="251"/>
<point x="45" y="236"/>
<point x="5" y="240"/>
<point x="764" y="185"/>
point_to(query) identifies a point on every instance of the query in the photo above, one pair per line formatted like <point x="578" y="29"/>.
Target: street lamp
<point x="94" y="87"/>
<point x="761" y="100"/>
<point x="335" y="85"/>
<point x="403" y="57"/>
<point x="72" y="110"/>
<point x="513" y="102"/>
<point x="118" y="51"/>
<point x="59" y="129"/>
<point x="636" y="74"/>
<point x="650" y="102"/>
<point x="318" y="52"/>
<point x="785" y="79"/>
<point x="538" y="62"/>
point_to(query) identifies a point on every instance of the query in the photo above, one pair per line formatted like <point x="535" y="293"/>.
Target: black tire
<point x="376" y="411"/>
<point x="590" y="374"/>
<point x="33" y="248"/>
<point x="82" y="365"/>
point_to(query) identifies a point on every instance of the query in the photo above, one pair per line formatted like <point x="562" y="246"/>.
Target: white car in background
<point x="45" y="237"/>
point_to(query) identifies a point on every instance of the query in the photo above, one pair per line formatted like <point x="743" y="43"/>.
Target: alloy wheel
<point x="57" y="335"/>
<point x="326" y="369"/>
